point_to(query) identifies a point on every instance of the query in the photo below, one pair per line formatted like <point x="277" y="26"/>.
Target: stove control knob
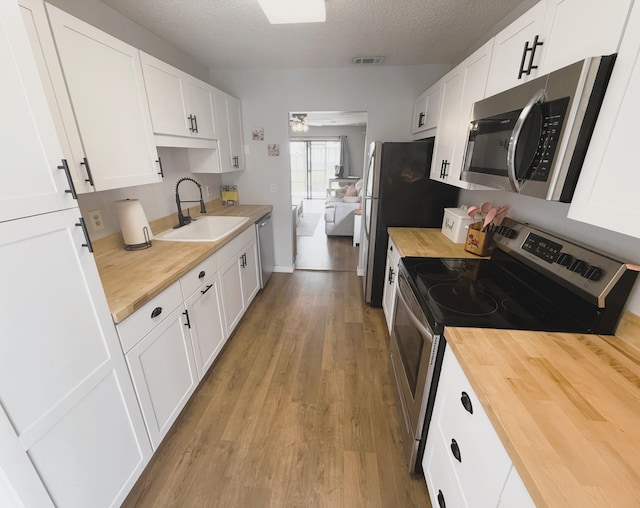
<point x="592" y="273"/>
<point x="510" y="233"/>
<point x="578" y="266"/>
<point x="564" y="259"/>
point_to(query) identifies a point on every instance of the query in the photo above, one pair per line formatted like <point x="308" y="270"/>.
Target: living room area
<point x="327" y="163"/>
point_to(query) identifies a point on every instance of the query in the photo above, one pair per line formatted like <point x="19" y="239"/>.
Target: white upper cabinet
<point x="30" y="181"/>
<point x="231" y="140"/>
<point x="181" y="105"/>
<point x="607" y="191"/>
<point x="426" y="110"/>
<point x="104" y="80"/>
<point x="460" y="89"/>
<point x="552" y="35"/>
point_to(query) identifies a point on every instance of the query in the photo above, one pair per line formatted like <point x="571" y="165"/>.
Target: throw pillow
<point x="351" y="190"/>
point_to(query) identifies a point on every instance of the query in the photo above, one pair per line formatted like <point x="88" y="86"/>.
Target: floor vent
<point x="367" y="60"/>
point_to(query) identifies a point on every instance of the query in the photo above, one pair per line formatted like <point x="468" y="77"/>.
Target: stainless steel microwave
<point x="532" y="139"/>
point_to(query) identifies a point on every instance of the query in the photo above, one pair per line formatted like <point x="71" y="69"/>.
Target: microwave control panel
<point x="553" y="115"/>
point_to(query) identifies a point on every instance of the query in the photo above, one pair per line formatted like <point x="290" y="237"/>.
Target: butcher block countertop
<point x="132" y="278"/>
<point x="565" y="406"/>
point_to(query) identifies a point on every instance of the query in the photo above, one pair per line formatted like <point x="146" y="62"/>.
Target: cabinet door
<point x="508" y="51"/>
<point x="606" y="193"/>
<point x="201" y="104"/>
<point x="451" y="86"/>
<point x="30" y="181"/>
<point x="250" y="273"/>
<point x="433" y="106"/>
<point x="207" y="327"/>
<point x="165" y="92"/>
<point x="64" y="384"/>
<point x="224" y="143"/>
<point x="569" y="31"/>
<point x="163" y="373"/>
<point x="236" y="140"/>
<point x="106" y="87"/>
<point x="389" y="293"/>
<point x="233" y="302"/>
<point x="44" y="52"/>
<point x="419" y="114"/>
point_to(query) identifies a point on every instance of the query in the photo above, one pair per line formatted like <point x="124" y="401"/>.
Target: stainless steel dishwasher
<point x="264" y="230"/>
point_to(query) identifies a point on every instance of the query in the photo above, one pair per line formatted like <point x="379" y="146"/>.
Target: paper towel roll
<point x="133" y="223"/>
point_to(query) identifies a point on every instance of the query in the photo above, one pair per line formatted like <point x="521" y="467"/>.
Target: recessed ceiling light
<point x="294" y="11"/>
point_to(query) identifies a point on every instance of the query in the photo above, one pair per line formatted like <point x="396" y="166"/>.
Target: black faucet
<point x="182" y="220"/>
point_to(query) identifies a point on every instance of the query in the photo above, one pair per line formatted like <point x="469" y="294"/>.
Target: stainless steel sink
<point x="210" y="228"/>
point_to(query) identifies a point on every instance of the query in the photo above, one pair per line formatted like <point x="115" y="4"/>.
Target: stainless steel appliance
<point x="533" y="138"/>
<point x="398" y="192"/>
<point x="533" y="281"/>
<point x="264" y="230"/>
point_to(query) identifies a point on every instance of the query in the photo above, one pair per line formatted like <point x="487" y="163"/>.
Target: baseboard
<point x="283" y="269"/>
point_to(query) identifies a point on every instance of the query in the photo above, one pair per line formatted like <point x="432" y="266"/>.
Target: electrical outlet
<point x="95" y="219"/>
<point x="273" y="188"/>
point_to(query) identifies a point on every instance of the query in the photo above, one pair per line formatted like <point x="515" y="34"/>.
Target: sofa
<point x="340" y="209"/>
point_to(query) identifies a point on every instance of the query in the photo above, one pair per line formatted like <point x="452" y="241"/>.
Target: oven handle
<point x="515" y="138"/>
<point x="413" y="317"/>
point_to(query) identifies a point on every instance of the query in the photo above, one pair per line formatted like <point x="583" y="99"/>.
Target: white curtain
<point x="344" y="157"/>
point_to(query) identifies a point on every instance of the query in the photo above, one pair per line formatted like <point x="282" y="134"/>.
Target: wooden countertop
<point x="428" y="243"/>
<point x="566" y="406"/>
<point x="132" y="278"/>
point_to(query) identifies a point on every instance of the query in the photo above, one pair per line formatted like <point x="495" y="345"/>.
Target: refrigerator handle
<point x="365" y="221"/>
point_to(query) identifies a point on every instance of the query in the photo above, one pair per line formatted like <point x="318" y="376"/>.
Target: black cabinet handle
<point x="421" y="120"/>
<point x="455" y="449"/>
<point x="466" y="402"/>
<point x="188" y="323"/>
<point x="195" y="123"/>
<point x="161" y="172"/>
<point x="443" y="168"/>
<point x="532" y="51"/>
<point x="236" y="161"/>
<point x="441" y="502"/>
<point x="191" y="127"/>
<point x="156" y="312"/>
<point x="89" y="178"/>
<point x="534" y="46"/>
<point x="209" y="286"/>
<point x="83" y="225"/>
<point x="390" y="275"/>
<point x="201" y="274"/>
<point x="72" y="189"/>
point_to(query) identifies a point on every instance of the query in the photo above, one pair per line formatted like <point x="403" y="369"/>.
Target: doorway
<point x="323" y="144"/>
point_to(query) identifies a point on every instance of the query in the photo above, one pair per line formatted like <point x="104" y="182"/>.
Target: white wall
<point x="552" y="216"/>
<point x="268" y="95"/>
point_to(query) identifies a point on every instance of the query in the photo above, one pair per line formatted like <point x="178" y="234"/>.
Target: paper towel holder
<point x="139" y="246"/>
<point x="134" y="226"/>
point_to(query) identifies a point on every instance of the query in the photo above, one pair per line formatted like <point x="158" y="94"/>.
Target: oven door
<point x="413" y="354"/>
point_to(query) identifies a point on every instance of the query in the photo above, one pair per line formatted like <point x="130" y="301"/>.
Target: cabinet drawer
<point x="142" y="321"/>
<point x="194" y="278"/>
<point x="230" y="250"/>
<point x="444" y="489"/>
<point x="475" y="439"/>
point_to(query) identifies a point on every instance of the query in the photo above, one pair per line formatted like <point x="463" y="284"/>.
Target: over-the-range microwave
<point x="532" y="139"/>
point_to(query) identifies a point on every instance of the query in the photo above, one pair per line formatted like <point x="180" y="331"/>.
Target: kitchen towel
<point x="133" y="222"/>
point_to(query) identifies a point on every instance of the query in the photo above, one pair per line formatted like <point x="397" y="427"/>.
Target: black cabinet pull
<point x="466" y="402"/>
<point x="421" y="120"/>
<point x="390" y="275"/>
<point x="441" y="502"/>
<point x="156" y="312"/>
<point x="83" y="225"/>
<point x="201" y="274"/>
<point x="188" y="323"/>
<point x="236" y="161"/>
<point x="443" y="168"/>
<point x="209" y="286"/>
<point x="72" y="189"/>
<point x="89" y="178"/>
<point x="534" y="46"/>
<point x="195" y="123"/>
<point x="521" y="71"/>
<point x="191" y="128"/>
<point x="161" y="172"/>
<point x="532" y="51"/>
<point x="455" y="449"/>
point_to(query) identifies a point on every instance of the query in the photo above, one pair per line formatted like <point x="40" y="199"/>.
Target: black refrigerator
<point x="398" y="193"/>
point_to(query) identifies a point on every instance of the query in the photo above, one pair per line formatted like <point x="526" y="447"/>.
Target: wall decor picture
<point x="273" y="150"/>
<point x="257" y="134"/>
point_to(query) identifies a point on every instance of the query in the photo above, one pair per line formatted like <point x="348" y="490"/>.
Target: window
<point x="313" y="162"/>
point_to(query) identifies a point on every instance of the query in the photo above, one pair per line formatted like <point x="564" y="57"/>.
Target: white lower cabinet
<point x="465" y="463"/>
<point x="162" y="368"/>
<point x="71" y="432"/>
<point x="389" y="291"/>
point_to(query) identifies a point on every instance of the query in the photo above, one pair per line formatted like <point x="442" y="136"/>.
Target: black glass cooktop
<point x="494" y="293"/>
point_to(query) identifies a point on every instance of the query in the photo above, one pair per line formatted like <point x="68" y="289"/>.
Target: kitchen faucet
<point x="182" y="220"/>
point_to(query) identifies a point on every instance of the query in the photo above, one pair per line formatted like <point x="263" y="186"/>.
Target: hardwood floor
<point x="322" y="252"/>
<point x="298" y="411"/>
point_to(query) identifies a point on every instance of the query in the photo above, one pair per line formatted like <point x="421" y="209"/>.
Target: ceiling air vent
<point x="367" y="60"/>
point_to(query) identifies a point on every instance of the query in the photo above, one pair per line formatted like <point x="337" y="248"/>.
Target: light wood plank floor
<point x="298" y="411"/>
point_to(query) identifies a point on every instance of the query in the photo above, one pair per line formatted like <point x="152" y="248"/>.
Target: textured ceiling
<point x="236" y="34"/>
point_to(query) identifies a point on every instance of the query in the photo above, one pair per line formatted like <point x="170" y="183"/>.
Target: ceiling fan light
<point x="294" y="11"/>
